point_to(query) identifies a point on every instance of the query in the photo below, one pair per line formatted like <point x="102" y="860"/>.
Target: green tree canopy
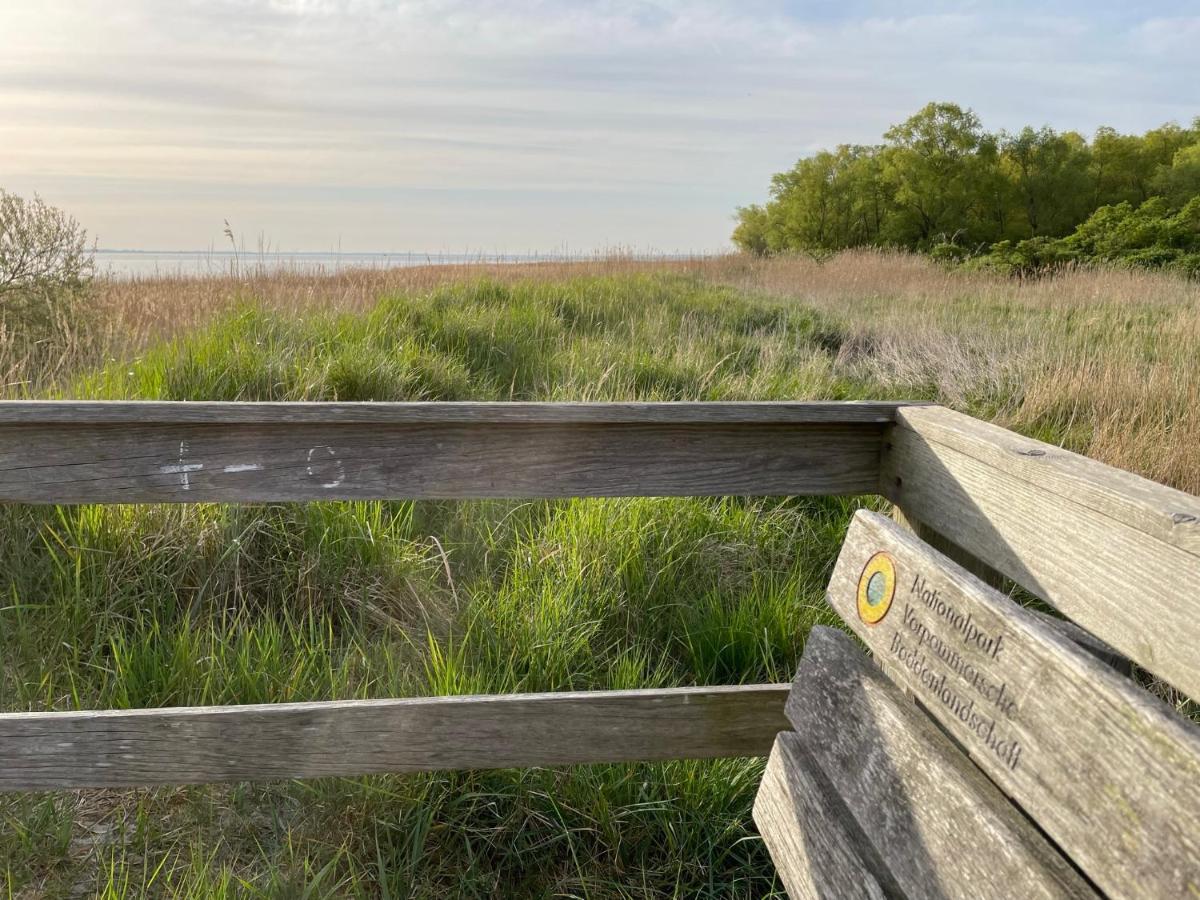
<point x="941" y="182"/>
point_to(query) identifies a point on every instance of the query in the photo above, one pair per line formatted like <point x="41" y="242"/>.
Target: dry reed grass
<point x="127" y="606"/>
<point x="1104" y="360"/>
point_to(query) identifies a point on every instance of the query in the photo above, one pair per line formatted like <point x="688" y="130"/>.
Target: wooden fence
<point x="1026" y="767"/>
<point x="1109" y="550"/>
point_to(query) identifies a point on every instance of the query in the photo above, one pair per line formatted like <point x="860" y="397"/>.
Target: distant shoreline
<point x="128" y="263"/>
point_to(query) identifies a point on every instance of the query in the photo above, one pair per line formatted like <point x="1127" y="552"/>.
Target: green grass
<point x="147" y="606"/>
<point x="644" y="337"/>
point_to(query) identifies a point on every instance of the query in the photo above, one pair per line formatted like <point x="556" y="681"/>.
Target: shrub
<point x="1027" y="257"/>
<point x="40" y="246"/>
<point x="44" y="266"/>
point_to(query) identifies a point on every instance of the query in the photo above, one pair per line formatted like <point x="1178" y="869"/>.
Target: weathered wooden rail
<point x="60" y="452"/>
<point x="1019" y="718"/>
<point x="1079" y="748"/>
<point x="102" y="452"/>
<point x="132" y="748"/>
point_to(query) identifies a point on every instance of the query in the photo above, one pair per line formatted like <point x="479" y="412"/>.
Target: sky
<point x="482" y="127"/>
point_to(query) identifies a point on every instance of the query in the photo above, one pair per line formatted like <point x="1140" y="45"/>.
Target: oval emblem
<point x="876" y="588"/>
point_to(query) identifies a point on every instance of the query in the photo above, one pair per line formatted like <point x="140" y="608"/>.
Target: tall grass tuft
<point x="140" y="606"/>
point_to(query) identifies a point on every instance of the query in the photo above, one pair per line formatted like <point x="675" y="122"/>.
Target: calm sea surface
<point x="133" y="263"/>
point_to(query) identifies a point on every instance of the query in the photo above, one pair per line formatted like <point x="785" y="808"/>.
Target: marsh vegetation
<point x="152" y="605"/>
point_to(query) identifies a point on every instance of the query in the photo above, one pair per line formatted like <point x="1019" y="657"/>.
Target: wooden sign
<point x="1049" y="520"/>
<point x="1108" y="771"/>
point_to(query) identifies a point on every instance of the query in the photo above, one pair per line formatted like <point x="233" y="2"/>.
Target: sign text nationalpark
<point x="933" y="656"/>
<point x="1081" y="749"/>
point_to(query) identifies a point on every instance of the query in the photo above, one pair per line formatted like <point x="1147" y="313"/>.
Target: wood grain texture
<point x="991" y="577"/>
<point x="812" y="840"/>
<point x="947" y="547"/>
<point x="1170" y="515"/>
<point x="1108" y="571"/>
<point x="1109" y="772"/>
<point x="1085" y="640"/>
<point x="193" y="745"/>
<point x="166" y="462"/>
<point x="941" y="829"/>
<point x="108" y="412"/>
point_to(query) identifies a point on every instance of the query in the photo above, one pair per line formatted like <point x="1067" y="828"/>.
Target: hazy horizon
<point x="436" y="126"/>
<point x="124" y="263"/>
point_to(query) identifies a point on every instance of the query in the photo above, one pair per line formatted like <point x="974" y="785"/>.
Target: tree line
<point x="939" y="183"/>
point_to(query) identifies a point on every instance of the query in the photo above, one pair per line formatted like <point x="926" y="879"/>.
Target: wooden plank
<point x="110" y="412"/>
<point x="990" y="576"/>
<point x="813" y="842"/>
<point x="940" y="828"/>
<point x="1168" y="514"/>
<point x="167" y="462"/>
<point x="1126" y="584"/>
<point x="1108" y="771"/>
<point x="947" y="547"/>
<point x="1085" y="640"/>
<point x="194" y="745"/>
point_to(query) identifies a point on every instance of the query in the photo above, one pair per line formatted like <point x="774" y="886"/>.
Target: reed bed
<point x="1101" y="359"/>
<point x="150" y="605"/>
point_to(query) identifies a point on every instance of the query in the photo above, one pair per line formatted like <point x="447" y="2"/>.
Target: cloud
<point x="310" y="119"/>
<point x="1170" y="35"/>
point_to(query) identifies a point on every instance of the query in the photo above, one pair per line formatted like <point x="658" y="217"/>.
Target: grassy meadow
<point x="137" y="606"/>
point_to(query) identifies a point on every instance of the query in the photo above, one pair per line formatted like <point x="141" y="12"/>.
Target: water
<point x="135" y="263"/>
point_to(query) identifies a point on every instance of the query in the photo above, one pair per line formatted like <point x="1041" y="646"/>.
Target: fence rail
<point x="1117" y="553"/>
<point x="192" y="745"/>
<point x="65" y="452"/>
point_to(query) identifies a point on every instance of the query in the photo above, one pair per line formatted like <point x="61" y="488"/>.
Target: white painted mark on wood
<point x="182" y="469"/>
<point x="242" y="467"/>
<point x="323" y="462"/>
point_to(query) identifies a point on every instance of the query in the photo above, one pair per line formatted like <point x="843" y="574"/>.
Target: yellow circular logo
<point x="876" y="588"/>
